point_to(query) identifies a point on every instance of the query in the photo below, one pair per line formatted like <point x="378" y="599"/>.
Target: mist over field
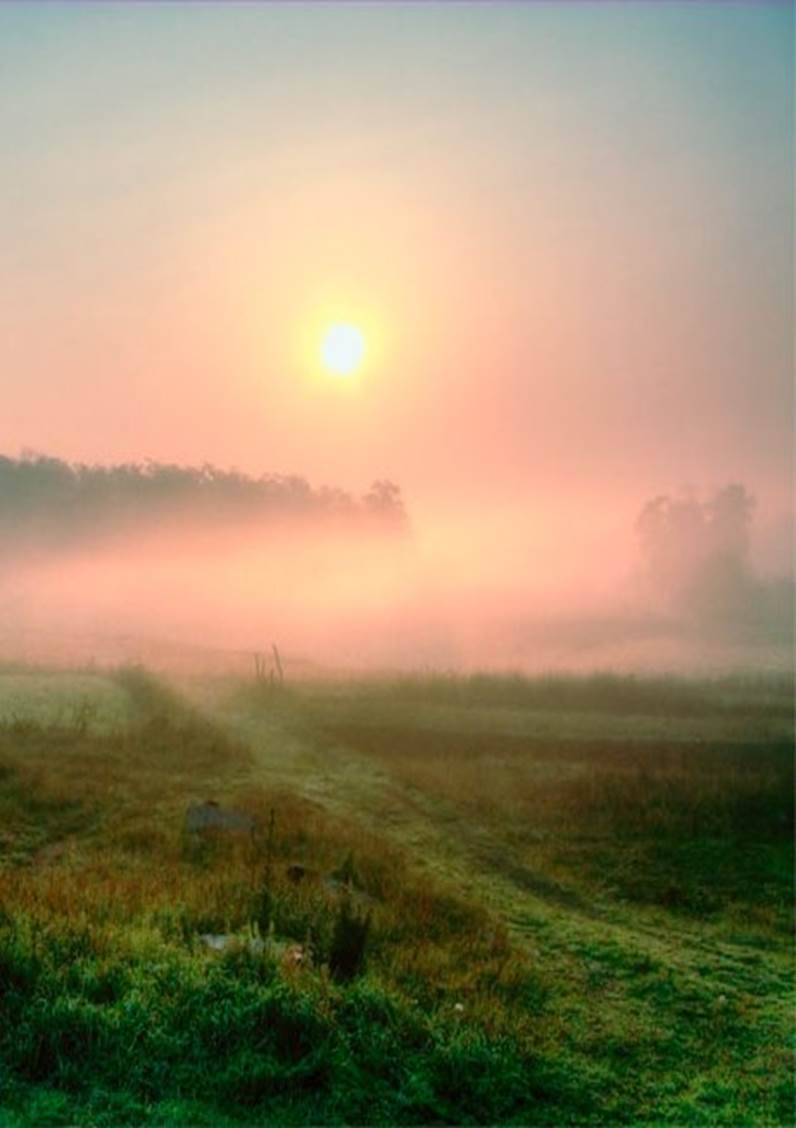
<point x="397" y="563"/>
<point x="198" y="567"/>
<point x="562" y="236"/>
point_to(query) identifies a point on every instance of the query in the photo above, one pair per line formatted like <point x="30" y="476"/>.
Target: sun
<point x="342" y="349"/>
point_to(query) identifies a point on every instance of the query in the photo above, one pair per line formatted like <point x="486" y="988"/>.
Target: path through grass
<point x="578" y="914"/>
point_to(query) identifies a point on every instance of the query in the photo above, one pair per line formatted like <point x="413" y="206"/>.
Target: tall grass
<point x="107" y="989"/>
<point x="663" y="696"/>
<point x="411" y="1002"/>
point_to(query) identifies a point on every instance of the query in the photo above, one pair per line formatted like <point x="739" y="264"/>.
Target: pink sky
<point x="565" y="229"/>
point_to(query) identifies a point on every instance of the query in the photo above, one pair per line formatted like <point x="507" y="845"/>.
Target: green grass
<point x="578" y="892"/>
<point x="58" y="697"/>
<point x="667" y="696"/>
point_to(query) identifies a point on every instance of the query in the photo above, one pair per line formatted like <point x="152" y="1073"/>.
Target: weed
<point x="347" y="951"/>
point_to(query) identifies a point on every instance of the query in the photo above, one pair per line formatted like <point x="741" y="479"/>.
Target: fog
<point x="198" y="569"/>
<point x="565" y="233"/>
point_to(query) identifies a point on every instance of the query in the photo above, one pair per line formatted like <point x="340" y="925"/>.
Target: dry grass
<point x="104" y="898"/>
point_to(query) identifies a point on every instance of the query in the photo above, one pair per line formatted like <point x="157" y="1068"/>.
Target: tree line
<point x="48" y="498"/>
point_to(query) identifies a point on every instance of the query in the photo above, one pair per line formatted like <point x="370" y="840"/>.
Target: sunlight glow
<point x="342" y="349"/>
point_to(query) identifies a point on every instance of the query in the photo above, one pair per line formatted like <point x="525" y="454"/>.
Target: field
<point x="466" y="900"/>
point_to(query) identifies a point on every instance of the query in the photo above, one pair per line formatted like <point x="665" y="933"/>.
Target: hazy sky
<point x="566" y="230"/>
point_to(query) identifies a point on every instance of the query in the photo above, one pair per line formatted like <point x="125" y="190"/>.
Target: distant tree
<point x="47" y="500"/>
<point x="384" y="500"/>
<point x="729" y="518"/>
<point x="696" y="553"/>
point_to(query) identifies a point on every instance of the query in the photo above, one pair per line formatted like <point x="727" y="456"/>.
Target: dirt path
<point x="586" y="940"/>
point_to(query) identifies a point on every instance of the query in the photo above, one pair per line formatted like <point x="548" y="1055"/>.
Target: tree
<point x="384" y="500"/>
<point x="696" y="553"/>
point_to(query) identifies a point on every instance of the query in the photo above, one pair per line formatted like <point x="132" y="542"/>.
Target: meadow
<point x="468" y="900"/>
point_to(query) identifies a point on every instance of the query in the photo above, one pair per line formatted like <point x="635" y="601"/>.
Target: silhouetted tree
<point x="384" y="500"/>
<point x="687" y="542"/>
<point x="697" y="561"/>
<point x="47" y="500"/>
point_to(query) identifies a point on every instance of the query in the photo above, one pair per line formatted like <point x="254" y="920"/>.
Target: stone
<point x="221" y="941"/>
<point x="210" y="816"/>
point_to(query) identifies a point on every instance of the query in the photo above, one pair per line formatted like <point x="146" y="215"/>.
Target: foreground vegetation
<point x="483" y="900"/>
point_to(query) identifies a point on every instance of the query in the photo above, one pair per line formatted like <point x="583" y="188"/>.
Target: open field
<point x="561" y="900"/>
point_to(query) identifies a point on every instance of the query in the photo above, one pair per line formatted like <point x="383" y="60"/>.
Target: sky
<point x="565" y="231"/>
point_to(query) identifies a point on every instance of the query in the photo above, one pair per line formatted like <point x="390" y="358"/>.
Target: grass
<point x="450" y="912"/>
<point x="667" y="696"/>
<point x="58" y="697"/>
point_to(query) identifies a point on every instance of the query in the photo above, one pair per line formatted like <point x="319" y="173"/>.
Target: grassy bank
<point x="447" y="913"/>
